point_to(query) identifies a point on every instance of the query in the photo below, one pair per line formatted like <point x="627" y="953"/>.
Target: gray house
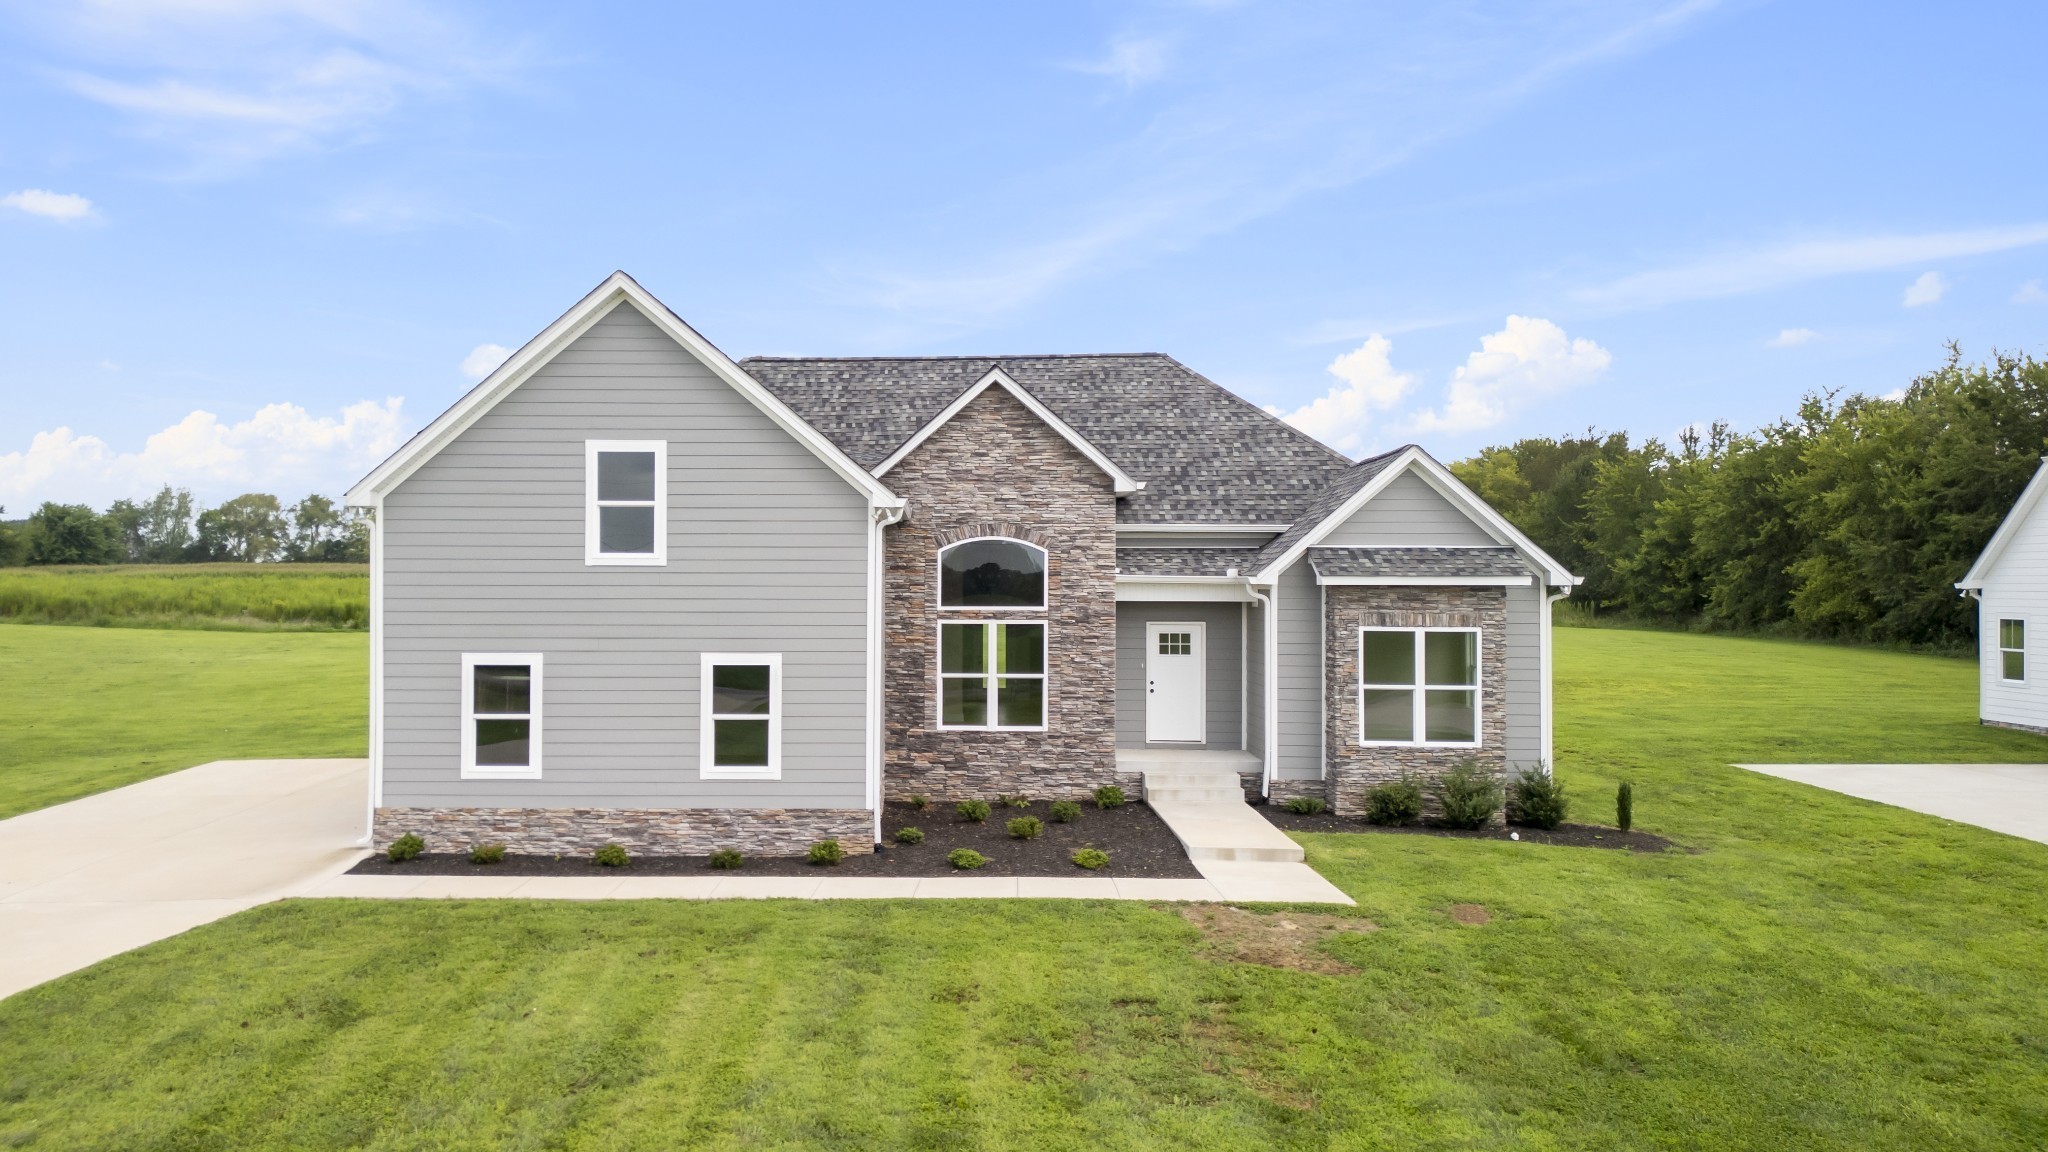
<point x="630" y="590"/>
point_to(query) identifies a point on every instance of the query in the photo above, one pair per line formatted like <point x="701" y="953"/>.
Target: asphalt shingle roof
<point x="1453" y="562"/>
<point x="1332" y="497"/>
<point x="1205" y="454"/>
<point x="1184" y="561"/>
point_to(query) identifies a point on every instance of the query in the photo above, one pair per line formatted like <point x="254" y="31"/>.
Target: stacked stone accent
<point x="1354" y="767"/>
<point x="997" y="470"/>
<point x="642" y="831"/>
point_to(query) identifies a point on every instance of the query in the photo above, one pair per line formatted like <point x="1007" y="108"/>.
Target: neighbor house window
<point x="2012" y="649"/>
<point x="991" y="674"/>
<point x="1419" y="686"/>
<point x="992" y="573"/>
<point x="741" y="716"/>
<point x="625" y="494"/>
<point x="501" y="715"/>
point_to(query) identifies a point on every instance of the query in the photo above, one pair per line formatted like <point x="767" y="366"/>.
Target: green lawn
<point x="83" y="710"/>
<point x="1819" y="973"/>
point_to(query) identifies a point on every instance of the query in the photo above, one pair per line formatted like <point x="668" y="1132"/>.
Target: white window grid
<point x="592" y="555"/>
<point x="990" y="675"/>
<point x="1420" y="689"/>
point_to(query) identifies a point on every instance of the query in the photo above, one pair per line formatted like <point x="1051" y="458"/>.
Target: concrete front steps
<point x="1200" y="795"/>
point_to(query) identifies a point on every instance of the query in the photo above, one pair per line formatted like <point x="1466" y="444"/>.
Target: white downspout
<point x="1272" y="701"/>
<point x="1549" y="604"/>
<point x="878" y="519"/>
<point x="375" y="791"/>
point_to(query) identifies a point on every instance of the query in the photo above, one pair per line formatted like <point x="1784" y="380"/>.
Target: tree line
<point x="169" y="528"/>
<point x="1851" y="520"/>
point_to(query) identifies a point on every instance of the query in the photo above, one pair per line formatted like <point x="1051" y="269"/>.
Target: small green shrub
<point x="405" y="848"/>
<point x="827" y="852"/>
<point x="1109" y="796"/>
<point x="965" y="858"/>
<point x="1018" y="801"/>
<point x="973" y="811"/>
<point x="920" y="802"/>
<point x="1537" y="799"/>
<point x="610" y="856"/>
<point x="1065" y="812"/>
<point x="1305" y="805"/>
<point x="1025" y="828"/>
<point x="726" y="858"/>
<point x="1624" y="806"/>
<point x="1090" y="858"/>
<point x="910" y="835"/>
<point x="1469" y="795"/>
<point x="1395" y="803"/>
<point x="487" y="853"/>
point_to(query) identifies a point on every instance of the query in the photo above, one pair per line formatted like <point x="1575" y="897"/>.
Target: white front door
<point x="1173" y="682"/>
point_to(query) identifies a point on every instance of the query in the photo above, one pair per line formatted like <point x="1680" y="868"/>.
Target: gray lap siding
<point x="482" y="551"/>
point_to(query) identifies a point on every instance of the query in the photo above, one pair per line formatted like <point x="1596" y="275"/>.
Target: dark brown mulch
<point x="1138" y="843"/>
<point x="1570" y="835"/>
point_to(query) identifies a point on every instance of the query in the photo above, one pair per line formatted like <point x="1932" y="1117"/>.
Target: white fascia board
<point x="1425" y="581"/>
<point x="1122" y="480"/>
<point x="1182" y="590"/>
<point x="2009" y="527"/>
<point x="617" y="288"/>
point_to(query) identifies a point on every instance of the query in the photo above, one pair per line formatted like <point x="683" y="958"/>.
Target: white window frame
<point x="991" y="676"/>
<point x="1044" y="586"/>
<point x="2002" y="649"/>
<point x="591" y="555"/>
<point x="706" y="718"/>
<point x="1421" y="690"/>
<point x="471" y="770"/>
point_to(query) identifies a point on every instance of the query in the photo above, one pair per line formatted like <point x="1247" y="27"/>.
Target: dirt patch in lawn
<point x="1471" y="914"/>
<point x="1568" y="835"/>
<point x="1281" y="940"/>
<point x="1139" y="844"/>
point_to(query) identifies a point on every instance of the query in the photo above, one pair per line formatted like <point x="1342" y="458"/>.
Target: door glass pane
<point x="625" y="475"/>
<point x="739" y="743"/>
<point x="1020" y="703"/>
<point x="502" y="743"/>
<point x="962" y="648"/>
<point x="739" y="689"/>
<point x="1451" y="657"/>
<point x="626" y="530"/>
<point x="1450" y="715"/>
<point x="1176" y="644"/>
<point x="992" y="574"/>
<point x="1389" y="658"/>
<point x="965" y="701"/>
<point x="1389" y="714"/>
<point x="2015" y="665"/>
<point x="503" y="688"/>
<point x="1020" y="648"/>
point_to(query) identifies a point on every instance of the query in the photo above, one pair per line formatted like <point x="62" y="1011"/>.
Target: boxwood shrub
<point x="1395" y="803"/>
<point x="726" y="858"/>
<point x="489" y="852"/>
<point x="965" y="858"/>
<point x="1109" y="796"/>
<point x="1025" y="828"/>
<point x="910" y="835"/>
<point x="973" y="811"/>
<point x="406" y="847"/>
<point x="1065" y="812"/>
<point x="610" y="856"/>
<point x="1090" y="858"/>
<point x="1305" y="805"/>
<point x="827" y="852"/>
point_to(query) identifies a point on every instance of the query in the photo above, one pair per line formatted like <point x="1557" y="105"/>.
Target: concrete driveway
<point x="2008" y="798"/>
<point x="86" y="880"/>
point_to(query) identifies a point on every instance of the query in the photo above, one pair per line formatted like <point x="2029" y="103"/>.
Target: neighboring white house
<point x="2010" y="583"/>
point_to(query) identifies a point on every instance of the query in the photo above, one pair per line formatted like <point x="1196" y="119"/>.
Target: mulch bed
<point x="1570" y="835"/>
<point x="1138" y="843"/>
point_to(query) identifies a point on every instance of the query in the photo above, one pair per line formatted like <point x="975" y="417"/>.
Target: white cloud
<point x="1929" y="288"/>
<point x="1134" y="60"/>
<point x="1793" y="337"/>
<point x="1768" y="269"/>
<point x="47" y="204"/>
<point x="1340" y="417"/>
<point x="2030" y="293"/>
<point x="484" y="360"/>
<point x="1527" y="360"/>
<point x="281" y="449"/>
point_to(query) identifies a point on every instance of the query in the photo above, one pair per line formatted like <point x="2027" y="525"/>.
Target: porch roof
<point x="1184" y="561"/>
<point x="1440" y="563"/>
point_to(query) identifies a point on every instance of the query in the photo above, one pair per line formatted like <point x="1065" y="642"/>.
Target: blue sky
<point x="253" y="245"/>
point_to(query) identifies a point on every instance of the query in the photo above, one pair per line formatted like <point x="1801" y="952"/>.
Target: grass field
<point x="87" y="709"/>
<point x="243" y="597"/>
<point x="1818" y="972"/>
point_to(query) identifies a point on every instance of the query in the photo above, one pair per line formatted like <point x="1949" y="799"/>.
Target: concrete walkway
<point x="2008" y="798"/>
<point x="1231" y="845"/>
<point x="744" y="887"/>
<point x="83" y="881"/>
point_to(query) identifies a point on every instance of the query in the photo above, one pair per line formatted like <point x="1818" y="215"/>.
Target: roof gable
<point x="997" y="378"/>
<point x="2008" y="528"/>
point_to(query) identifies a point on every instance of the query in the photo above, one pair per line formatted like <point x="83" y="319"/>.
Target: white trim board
<point x="1121" y="480"/>
<point x="617" y="289"/>
<point x="1973" y="580"/>
<point x="1182" y="589"/>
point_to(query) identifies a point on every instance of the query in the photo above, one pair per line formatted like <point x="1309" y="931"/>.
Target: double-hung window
<point x="501" y="715"/>
<point x="625" y="502"/>
<point x="992" y="672"/>
<point x="1419" y="686"/>
<point x="741" y="717"/>
<point x="2012" y="650"/>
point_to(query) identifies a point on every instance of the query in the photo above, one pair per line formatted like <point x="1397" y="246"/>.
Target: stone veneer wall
<point x="642" y="831"/>
<point x="1352" y="767"/>
<point x="997" y="470"/>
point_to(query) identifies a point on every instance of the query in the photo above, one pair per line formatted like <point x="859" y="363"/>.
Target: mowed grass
<point x="245" y="597"/>
<point x="83" y="710"/>
<point x="1818" y="972"/>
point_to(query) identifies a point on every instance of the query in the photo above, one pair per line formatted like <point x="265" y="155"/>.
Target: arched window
<point x="992" y="573"/>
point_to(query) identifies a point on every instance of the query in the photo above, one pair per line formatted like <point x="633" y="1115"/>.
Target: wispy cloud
<point x="2030" y="293"/>
<point x="1131" y="60"/>
<point x="1367" y="384"/>
<point x="49" y="205"/>
<point x="1928" y="289"/>
<point x="1768" y="269"/>
<point x="484" y="360"/>
<point x="1793" y="338"/>
<point x="1526" y="362"/>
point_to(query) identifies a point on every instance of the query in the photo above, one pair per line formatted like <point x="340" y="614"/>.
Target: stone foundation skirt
<point x="642" y="831"/>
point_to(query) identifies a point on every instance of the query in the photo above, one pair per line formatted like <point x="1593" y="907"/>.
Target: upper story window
<point x="625" y="501"/>
<point x="2012" y="649"/>
<point x="1418" y="686"/>
<point x="992" y="573"/>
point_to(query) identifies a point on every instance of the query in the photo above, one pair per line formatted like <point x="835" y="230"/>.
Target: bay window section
<point x="1419" y="686"/>
<point x="991" y="675"/>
